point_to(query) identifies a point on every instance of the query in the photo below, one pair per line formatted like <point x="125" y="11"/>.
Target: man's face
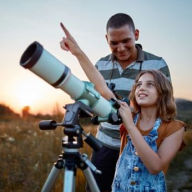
<point x="122" y="42"/>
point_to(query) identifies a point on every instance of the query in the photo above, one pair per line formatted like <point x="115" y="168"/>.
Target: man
<point x="120" y="69"/>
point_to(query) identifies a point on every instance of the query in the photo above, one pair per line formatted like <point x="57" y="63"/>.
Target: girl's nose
<point x="142" y="87"/>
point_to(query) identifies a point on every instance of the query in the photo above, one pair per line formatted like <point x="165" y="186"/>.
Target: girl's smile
<point x="146" y="93"/>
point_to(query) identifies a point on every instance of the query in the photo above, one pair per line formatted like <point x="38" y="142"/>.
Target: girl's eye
<point x="150" y="84"/>
<point x="138" y="85"/>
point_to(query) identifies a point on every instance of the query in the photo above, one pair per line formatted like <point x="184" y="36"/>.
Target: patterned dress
<point x="131" y="174"/>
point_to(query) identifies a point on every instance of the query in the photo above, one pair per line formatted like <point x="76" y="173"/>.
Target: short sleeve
<point x="165" y="69"/>
<point x="168" y="129"/>
<point x="174" y="126"/>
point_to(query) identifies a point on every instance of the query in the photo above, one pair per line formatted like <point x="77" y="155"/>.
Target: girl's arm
<point x="154" y="162"/>
<point x="68" y="43"/>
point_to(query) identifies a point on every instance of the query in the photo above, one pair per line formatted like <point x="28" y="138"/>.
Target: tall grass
<point x="27" y="155"/>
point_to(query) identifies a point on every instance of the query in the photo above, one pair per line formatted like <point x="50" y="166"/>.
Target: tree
<point x="25" y="111"/>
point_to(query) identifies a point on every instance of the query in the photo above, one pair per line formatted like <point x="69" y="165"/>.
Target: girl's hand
<point x="126" y="115"/>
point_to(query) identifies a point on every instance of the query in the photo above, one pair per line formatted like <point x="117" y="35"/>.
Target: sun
<point x="27" y="95"/>
<point x="37" y="94"/>
<point x="29" y="92"/>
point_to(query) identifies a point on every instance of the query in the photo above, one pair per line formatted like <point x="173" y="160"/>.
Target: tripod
<point x="71" y="158"/>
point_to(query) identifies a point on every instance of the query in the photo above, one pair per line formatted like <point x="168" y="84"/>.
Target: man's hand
<point x="68" y="43"/>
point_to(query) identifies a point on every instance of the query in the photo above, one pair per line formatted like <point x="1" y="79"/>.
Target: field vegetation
<point x="27" y="154"/>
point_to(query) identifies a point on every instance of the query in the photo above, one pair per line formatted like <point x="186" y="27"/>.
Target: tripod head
<point x="72" y="127"/>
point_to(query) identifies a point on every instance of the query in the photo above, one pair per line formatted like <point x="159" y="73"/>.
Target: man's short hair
<point x="120" y="19"/>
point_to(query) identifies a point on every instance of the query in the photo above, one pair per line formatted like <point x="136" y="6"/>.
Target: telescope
<point x="46" y="66"/>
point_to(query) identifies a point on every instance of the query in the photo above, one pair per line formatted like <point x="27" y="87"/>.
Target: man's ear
<point x="106" y="38"/>
<point x="136" y="34"/>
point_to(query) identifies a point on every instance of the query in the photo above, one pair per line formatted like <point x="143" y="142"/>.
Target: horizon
<point x="164" y="33"/>
<point x="57" y="108"/>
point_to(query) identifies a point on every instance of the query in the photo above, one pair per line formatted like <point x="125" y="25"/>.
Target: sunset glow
<point x="26" y="95"/>
<point x="31" y="21"/>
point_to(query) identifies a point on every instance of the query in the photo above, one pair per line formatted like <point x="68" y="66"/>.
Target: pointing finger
<point x="65" y="30"/>
<point x="68" y="35"/>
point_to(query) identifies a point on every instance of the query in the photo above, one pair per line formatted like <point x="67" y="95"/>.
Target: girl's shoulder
<point x="168" y="128"/>
<point x="172" y="126"/>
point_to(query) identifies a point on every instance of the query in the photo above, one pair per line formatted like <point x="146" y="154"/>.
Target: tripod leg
<point x="91" y="180"/>
<point x="50" y="180"/>
<point x="69" y="181"/>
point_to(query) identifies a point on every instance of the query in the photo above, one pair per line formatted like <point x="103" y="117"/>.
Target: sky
<point x="165" y="30"/>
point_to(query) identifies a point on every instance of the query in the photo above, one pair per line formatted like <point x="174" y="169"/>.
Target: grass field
<point x="27" y="155"/>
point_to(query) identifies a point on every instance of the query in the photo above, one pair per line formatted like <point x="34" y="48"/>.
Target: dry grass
<point x="188" y="135"/>
<point x="27" y="154"/>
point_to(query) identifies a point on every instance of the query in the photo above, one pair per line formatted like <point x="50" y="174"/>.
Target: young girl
<point x="150" y="137"/>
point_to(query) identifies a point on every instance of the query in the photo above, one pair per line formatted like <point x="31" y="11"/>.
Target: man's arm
<point x="68" y="43"/>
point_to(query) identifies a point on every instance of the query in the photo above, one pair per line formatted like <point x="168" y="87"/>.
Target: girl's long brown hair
<point x="166" y="107"/>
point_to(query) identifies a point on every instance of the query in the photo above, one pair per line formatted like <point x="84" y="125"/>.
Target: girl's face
<point x="146" y="93"/>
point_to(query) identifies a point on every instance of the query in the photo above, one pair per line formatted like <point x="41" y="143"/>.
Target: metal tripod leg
<point x="86" y="166"/>
<point x="91" y="180"/>
<point x="50" y="179"/>
<point x="69" y="181"/>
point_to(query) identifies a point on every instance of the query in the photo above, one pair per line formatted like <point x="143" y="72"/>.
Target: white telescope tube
<point x="42" y="63"/>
